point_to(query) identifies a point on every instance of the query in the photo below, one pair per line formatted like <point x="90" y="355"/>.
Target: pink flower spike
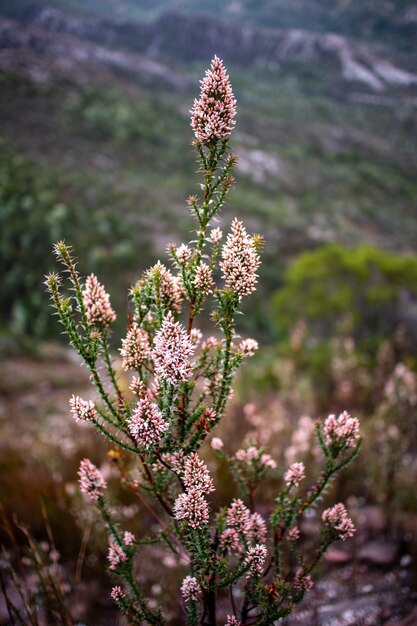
<point x="238" y="516"/>
<point x="295" y="474"/>
<point x="172" y="351"/>
<point x="128" y="538"/>
<point x="302" y="582"/>
<point x="256" y="560"/>
<point x="92" y="483"/>
<point x="117" y="594"/>
<point x="232" y="621"/>
<point x="190" y="589"/>
<point x="135" y="349"/>
<point x="115" y="556"/>
<point x="343" y="430"/>
<point x="147" y="424"/>
<point x="82" y="410"/>
<point x="248" y="347"/>
<point x="240" y="260"/>
<point x="338" y="519"/>
<point x="212" y="115"/>
<point x="193" y="508"/>
<point x="97" y="303"/>
<point x="196" y="475"/>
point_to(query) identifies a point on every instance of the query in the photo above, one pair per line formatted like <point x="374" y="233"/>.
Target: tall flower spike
<point x="92" y="483"/>
<point x="192" y="507"/>
<point x="135" y="348"/>
<point x="212" y="115"/>
<point x="82" y="410"/>
<point x="172" y="352"/>
<point x="240" y="261"/>
<point x="196" y="474"/>
<point x="147" y="424"/>
<point x="97" y="303"/>
<point x="190" y="589"/>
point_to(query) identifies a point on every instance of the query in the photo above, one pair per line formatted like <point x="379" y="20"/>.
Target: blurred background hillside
<point x="95" y="148"/>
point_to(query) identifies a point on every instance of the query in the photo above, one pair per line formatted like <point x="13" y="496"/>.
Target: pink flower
<point x="268" y="461"/>
<point x="232" y="621"/>
<point x="128" y="538"/>
<point x="190" y="589"/>
<point x="183" y="253"/>
<point x="115" y="556"/>
<point x="302" y="582"/>
<point x="210" y="342"/>
<point x="212" y="115"/>
<point x="238" y="516"/>
<point x="92" y="483"/>
<point x="255" y="560"/>
<point x="147" y="424"/>
<point x="295" y="474"/>
<point x="337" y="518"/>
<point x="172" y="351"/>
<point x="203" y="279"/>
<point x="293" y="534"/>
<point x="240" y="261"/>
<point x="170" y="289"/>
<point x="196" y="475"/>
<point x="217" y="443"/>
<point x="97" y="303"/>
<point x="248" y="347"/>
<point x="216" y="235"/>
<point x="342" y="430"/>
<point x="193" y="508"/>
<point x="258" y="530"/>
<point x="82" y="410"/>
<point x="196" y="336"/>
<point x="117" y="594"/>
<point x="230" y="540"/>
<point x="135" y="349"/>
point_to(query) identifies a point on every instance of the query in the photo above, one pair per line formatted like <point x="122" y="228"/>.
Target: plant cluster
<point x="241" y="567"/>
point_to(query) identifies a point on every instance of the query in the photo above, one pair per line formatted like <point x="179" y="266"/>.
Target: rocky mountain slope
<point x="192" y="37"/>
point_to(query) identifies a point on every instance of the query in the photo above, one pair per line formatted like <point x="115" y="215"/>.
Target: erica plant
<point x="243" y="568"/>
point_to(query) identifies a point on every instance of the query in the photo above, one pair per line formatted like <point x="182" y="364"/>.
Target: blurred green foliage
<point x="364" y="293"/>
<point x="35" y="211"/>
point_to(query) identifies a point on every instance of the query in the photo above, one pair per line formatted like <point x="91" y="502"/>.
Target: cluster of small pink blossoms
<point x="215" y="235"/>
<point x="135" y="349"/>
<point x="248" y="347"/>
<point x="255" y="560"/>
<point x="241" y="522"/>
<point x="217" y="444"/>
<point x="338" y="519"/>
<point x="193" y="508"/>
<point x="128" y="538"/>
<point x="203" y="279"/>
<point x="92" y="483"/>
<point x="190" y="589"/>
<point x="82" y="410"/>
<point x="147" y="424"/>
<point x="232" y="621"/>
<point x="117" y="594"/>
<point x="295" y="474"/>
<point x="172" y="351"/>
<point x="341" y="430"/>
<point x="196" y="474"/>
<point x="240" y="260"/>
<point x="253" y="454"/>
<point x="170" y="288"/>
<point x="97" y="303"/>
<point x="302" y="582"/>
<point x="115" y="556"/>
<point x="212" y="115"/>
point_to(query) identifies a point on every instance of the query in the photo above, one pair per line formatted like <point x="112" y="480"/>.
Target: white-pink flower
<point x="97" y="303"/>
<point x="256" y="560"/>
<point x="196" y="475"/>
<point x="190" y="589"/>
<point x="82" y="410"/>
<point x="193" y="508"/>
<point x="212" y="115"/>
<point x="343" y="430"/>
<point x="147" y="424"/>
<point x="217" y="444"/>
<point x="136" y="348"/>
<point x="240" y="261"/>
<point x="295" y="474"/>
<point x="172" y="351"/>
<point x="91" y="481"/>
<point x="338" y="519"/>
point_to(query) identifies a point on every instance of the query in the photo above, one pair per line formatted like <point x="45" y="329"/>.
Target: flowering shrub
<point x="238" y="565"/>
